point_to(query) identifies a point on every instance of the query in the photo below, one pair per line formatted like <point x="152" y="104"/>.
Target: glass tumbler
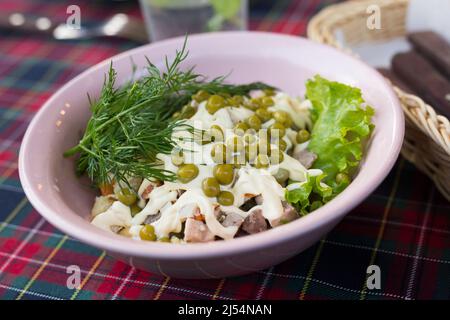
<point x="171" y="18"/>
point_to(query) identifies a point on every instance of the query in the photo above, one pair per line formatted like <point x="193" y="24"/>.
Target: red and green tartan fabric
<point x="403" y="227"/>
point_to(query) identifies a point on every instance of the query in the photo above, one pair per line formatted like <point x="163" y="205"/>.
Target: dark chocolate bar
<point x="424" y="79"/>
<point x="435" y="48"/>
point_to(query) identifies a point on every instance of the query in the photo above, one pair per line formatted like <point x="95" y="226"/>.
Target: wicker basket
<point x="427" y="136"/>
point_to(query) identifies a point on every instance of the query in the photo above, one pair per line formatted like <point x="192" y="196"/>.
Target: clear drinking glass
<point x="171" y="18"/>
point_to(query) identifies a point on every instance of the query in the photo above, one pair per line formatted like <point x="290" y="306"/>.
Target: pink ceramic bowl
<point x="283" y="61"/>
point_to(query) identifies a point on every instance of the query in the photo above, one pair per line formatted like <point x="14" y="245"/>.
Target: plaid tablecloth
<point x="403" y="227"/>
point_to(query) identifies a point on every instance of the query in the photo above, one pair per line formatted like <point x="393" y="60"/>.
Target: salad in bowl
<point x="182" y="159"/>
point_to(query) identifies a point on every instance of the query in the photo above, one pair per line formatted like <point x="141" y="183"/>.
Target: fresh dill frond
<point x="130" y="125"/>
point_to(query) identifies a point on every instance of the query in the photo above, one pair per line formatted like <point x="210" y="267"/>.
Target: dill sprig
<point x="130" y="125"/>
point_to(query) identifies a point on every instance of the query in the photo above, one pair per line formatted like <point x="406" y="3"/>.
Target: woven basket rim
<point x="435" y="126"/>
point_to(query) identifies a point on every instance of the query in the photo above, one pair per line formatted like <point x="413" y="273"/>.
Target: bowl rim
<point x="333" y="210"/>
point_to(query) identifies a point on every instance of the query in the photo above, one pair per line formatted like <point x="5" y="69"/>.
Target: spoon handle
<point x="26" y="23"/>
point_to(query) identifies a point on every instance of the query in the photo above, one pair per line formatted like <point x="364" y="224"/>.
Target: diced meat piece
<point x="259" y="199"/>
<point x="219" y="214"/>
<point x="198" y="215"/>
<point x="135" y="182"/>
<point x="197" y="231"/>
<point x="116" y="229"/>
<point x="305" y="157"/>
<point x="148" y="189"/>
<point x="240" y="233"/>
<point x="190" y="210"/>
<point x="289" y="214"/>
<point x="254" y="222"/>
<point x="102" y="204"/>
<point x="230" y="219"/>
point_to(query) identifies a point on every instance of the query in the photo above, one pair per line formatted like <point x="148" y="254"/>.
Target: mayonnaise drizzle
<point x="117" y="215"/>
<point x="172" y="218"/>
<point x="158" y="198"/>
<point x="260" y="182"/>
<point x="297" y="109"/>
<point x="175" y="209"/>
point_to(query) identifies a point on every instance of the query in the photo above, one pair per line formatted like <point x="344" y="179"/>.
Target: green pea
<point x="249" y="138"/>
<point x="288" y="123"/>
<point x="281" y="116"/>
<point x="279" y="142"/>
<point x="176" y="115"/>
<point x="264" y="146"/>
<point x="215" y="102"/>
<point x="277" y="129"/>
<point x="282" y="175"/>
<point x="231" y="103"/>
<point x="267" y="101"/>
<point x="200" y="96"/>
<point x="224" y="173"/>
<point x="235" y="144"/>
<point x="164" y="239"/>
<point x="269" y="92"/>
<point x="263" y="114"/>
<point x="238" y="99"/>
<point x="225" y="198"/>
<point x="302" y="136"/>
<point x="187" y="172"/>
<point x="219" y="153"/>
<point x="235" y="101"/>
<point x="216" y="127"/>
<point x="187" y="111"/>
<point x="264" y="134"/>
<point x="251" y="151"/>
<point x="147" y="233"/>
<point x="262" y="161"/>
<point x="252" y="104"/>
<point x="135" y="209"/>
<point x="210" y="187"/>
<point x="240" y="128"/>
<point x="282" y="144"/>
<point x="126" y="196"/>
<point x="177" y="157"/>
<point x="254" y="122"/>
<point x="276" y="156"/>
<point x="342" y="178"/>
<point x="214" y="134"/>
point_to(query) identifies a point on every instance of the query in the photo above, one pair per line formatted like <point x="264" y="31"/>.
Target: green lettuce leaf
<point x="341" y="125"/>
<point x="310" y="194"/>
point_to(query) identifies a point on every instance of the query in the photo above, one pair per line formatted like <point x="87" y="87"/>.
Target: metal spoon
<point x="119" y="25"/>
